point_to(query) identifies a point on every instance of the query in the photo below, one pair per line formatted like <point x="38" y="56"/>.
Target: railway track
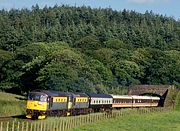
<point x="5" y="118"/>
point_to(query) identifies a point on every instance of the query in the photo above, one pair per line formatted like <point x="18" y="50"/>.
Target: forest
<point x="84" y="49"/>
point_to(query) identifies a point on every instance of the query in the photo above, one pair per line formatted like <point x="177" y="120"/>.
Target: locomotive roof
<point x="77" y="94"/>
<point x="52" y="93"/>
<point x="99" y="95"/>
<point x="58" y="93"/>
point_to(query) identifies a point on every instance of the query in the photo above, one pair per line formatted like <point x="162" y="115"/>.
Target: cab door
<point x="50" y="101"/>
<point x="70" y="102"/>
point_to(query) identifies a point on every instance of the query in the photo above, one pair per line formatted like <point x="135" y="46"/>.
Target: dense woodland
<point x="89" y="50"/>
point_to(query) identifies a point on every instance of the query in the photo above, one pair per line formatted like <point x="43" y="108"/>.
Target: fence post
<point x="80" y="120"/>
<point x="27" y="126"/>
<point x="35" y="126"/>
<point x="7" y="127"/>
<point x="1" y="126"/>
<point x="18" y="126"/>
<point x="22" y="126"/>
<point x="44" y="126"/>
<point x="68" y="124"/>
<point x="13" y="126"/>
<point x="31" y="127"/>
<point x="41" y="126"/>
<point x="62" y="125"/>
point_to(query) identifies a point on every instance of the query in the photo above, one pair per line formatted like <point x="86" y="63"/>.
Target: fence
<point x="67" y="123"/>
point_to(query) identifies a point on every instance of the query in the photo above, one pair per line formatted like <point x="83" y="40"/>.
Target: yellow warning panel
<point x="59" y="99"/>
<point x="81" y="99"/>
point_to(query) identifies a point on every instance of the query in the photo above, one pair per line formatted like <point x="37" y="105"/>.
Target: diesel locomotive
<point x="43" y="103"/>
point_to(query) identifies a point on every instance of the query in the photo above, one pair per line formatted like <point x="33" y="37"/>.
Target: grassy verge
<point x="11" y="104"/>
<point x="177" y="104"/>
<point x="161" y="121"/>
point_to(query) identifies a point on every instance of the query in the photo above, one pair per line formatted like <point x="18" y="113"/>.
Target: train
<point x="43" y="103"/>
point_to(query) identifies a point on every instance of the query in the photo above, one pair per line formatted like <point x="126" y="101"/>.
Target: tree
<point x="126" y="72"/>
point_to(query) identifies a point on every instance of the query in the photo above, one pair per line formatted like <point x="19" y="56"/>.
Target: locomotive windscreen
<point x="37" y="97"/>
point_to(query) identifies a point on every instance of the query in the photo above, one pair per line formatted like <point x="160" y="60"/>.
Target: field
<point x="161" y="121"/>
<point x="11" y="104"/>
<point x="150" y="119"/>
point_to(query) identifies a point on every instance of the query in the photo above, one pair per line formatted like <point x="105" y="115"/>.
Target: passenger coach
<point x="122" y="101"/>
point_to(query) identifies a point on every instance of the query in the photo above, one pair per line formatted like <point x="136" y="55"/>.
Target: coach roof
<point x="99" y="95"/>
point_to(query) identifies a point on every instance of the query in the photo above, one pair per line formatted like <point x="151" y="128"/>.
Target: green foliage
<point x="82" y="49"/>
<point x="5" y="58"/>
<point x="126" y="72"/>
<point x="116" y="44"/>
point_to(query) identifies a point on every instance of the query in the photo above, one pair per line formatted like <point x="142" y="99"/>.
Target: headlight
<point x="39" y="103"/>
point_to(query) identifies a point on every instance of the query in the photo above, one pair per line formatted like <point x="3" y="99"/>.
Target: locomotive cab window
<point x="37" y="97"/>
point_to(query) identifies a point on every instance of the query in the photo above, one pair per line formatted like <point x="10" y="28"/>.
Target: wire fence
<point x="67" y="123"/>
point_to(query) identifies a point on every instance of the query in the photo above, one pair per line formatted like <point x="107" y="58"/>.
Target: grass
<point x="161" y="121"/>
<point x="177" y="104"/>
<point x="11" y="104"/>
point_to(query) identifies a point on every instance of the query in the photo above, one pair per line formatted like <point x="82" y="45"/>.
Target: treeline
<point x="83" y="49"/>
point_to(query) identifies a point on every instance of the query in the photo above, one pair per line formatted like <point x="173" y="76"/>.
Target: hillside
<point x="11" y="104"/>
<point x="83" y="49"/>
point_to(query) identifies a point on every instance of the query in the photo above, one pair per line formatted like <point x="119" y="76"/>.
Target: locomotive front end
<point x="36" y="105"/>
